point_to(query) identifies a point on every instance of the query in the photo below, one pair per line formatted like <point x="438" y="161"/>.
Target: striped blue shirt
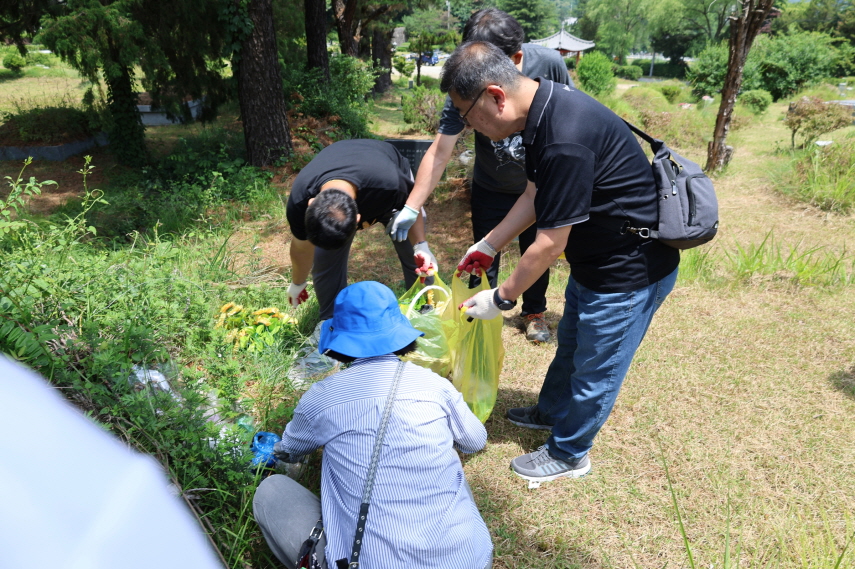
<point x="421" y="515"/>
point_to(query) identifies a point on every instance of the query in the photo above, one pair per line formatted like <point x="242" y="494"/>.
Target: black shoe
<point x="527" y="417"/>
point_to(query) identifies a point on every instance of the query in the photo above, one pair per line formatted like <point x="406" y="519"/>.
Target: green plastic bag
<point x="424" y="306"/>
<point x="477" y="353"/>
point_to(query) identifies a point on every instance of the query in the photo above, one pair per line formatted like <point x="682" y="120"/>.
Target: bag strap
<point x="372" y="470"/>
<point x="306" y="556"/>
<point x="650" y="140"/>
<point x="624" y="226"/>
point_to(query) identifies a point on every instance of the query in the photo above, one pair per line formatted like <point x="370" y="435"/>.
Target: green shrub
<point x="342" y="100"/>
<point x="757" y="100"/>
<point x="595" y="74"/>
<point x="14" y="62"/>
<point x="664" y="69"/>
<point x="811" y="117"/>
<point x="781" y="65"/>
<point x="631" y="72"/>
<point x="47" y="126"/>
<point x="422" y="108"/>
<point x="671" y="92"/>
<point x="404" y="66"/>
<point x="570" y="62"/>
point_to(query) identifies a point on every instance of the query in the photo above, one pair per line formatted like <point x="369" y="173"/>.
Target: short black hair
<point x="475" y="65"/>
<point x="411" y="347"/>
<point x="496" y="27"/>
<point x="331" y="219"/>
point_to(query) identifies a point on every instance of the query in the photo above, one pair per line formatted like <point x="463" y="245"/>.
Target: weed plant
<point x="680" y="128"/>
<point x="89" y="318"/>
<point x="195" y="180"/>
<point x="825" y="176"/>
<point x="422" y="107"/>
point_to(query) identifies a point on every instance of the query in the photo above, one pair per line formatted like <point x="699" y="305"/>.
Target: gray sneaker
<point x="527" y="417"/>
<point x="536" y="330"/>
<point x="540" y="466"/>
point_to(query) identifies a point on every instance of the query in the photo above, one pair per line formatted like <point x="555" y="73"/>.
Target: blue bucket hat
<point x="366" y="322"/>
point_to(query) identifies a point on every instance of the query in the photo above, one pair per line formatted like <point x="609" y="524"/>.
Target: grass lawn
<point x="744" y="388"/>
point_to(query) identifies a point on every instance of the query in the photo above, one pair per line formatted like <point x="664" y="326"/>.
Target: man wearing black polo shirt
<point x="499" y="175"/>
<point x="587" y="167"/>
<point x="349" y="185"/>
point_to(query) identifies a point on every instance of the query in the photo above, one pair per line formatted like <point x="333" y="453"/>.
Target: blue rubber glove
<point x="402" y="223"/>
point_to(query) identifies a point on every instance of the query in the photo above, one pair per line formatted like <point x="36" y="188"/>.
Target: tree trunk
<point x="127" y="134"/>
<point x="345" y="12"/>
<point x="743" y="29"/>
<point x="316" y="37"/>
<point x="381" y="47"/>
<point x="262" y="102"/>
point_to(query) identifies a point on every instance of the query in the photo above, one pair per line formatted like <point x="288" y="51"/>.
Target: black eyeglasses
<point x="463" y="116"/>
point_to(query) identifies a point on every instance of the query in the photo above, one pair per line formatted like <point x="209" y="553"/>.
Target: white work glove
<point x="426" y="265"/>
<point x="481" y="306"/>
<point x="297" y="294"/>
<point x="477" y="259"/>
<point x="402" y="222"/>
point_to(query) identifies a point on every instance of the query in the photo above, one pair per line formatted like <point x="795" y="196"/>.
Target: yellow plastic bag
<point x="477" y="353"/>
<point x="424" y="306"/>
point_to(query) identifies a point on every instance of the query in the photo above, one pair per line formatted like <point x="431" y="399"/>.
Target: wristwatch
<point x="502" y="304"/>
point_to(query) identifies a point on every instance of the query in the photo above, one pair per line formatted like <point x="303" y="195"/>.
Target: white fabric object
<point x="481" y="306"/>
<point x="74" y="497"/>
<point x="422" y="249"/>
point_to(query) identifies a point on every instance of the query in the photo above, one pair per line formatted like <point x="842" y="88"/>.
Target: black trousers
<point x="488" y="209"/>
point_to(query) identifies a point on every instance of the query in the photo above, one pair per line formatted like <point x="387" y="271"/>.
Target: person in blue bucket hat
<point x="422" y="512"/>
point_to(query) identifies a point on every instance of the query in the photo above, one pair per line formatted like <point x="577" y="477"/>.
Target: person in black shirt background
<point x="498" y="178"/>
<point x="349" y="185"/>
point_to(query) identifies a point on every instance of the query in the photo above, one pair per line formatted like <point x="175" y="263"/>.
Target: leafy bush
<point x="404" y="66"/>
<point x="793" y="61"/>
<point x="812" y="117"/>
<point x="342" y="100"/>
<point x="706" y="74"/>
<point x="570" y="62"/>
<point x="664" y="69"/>
<point x="46" y="126"/>
<point x="631" y="72"/>
<point x="781" y="65"/>
<point x="422" y="108"/>
<point x="595" y="74"/>
<point x="14" y="62"/>
<point x="671" y="92"/>
<point x="757" y="100"/>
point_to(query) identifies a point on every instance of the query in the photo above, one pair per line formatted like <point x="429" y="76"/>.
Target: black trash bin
<point x="412" y="150"/>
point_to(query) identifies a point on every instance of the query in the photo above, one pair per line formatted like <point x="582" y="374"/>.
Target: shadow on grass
<point x="844" y="380"/>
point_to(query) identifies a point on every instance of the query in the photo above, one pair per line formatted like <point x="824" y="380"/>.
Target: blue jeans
<point x="597" y="339"/>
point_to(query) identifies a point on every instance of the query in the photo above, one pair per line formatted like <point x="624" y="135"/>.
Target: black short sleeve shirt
<point x="585" y="161"/>
<point x="381" y="175"/>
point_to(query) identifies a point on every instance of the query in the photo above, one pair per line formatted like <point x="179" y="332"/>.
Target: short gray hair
<point x="475" y="65"/>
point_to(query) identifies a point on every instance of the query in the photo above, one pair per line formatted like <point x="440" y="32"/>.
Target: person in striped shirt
<point x="422" y="513"/>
